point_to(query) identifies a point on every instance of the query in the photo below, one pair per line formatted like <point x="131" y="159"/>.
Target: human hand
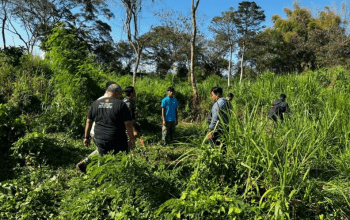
<point x="86" y="142"/>
<point x="142" y="142"/>
<point x="164" y="122"/>
<point x="210" y="136"/>
<point x="136" y="134"/>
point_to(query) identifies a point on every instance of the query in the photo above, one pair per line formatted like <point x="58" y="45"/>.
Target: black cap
<point x="171" y="89"/>
<point x="129" y="90"/>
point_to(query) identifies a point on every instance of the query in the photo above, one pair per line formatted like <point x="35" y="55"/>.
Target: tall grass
<point x="298" y="169"/>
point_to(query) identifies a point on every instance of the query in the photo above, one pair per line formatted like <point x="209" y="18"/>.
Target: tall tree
<point x="248" y="17"/>
<point x="224" y="27"/>
<point x="4" y="17"/>
<point x="181" y="25"/>
<point x="165" y="48"/>
<point x="211" y="60"/>
<point x="38" y="18"/>
<point x="132" y="10"/>
<point x="194" y="8"/>
<point x="303" y="41"/>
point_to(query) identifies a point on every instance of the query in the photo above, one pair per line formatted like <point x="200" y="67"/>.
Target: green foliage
<point x="12" y="55"/>
<point x="75" y="80"/>
<point x="38" y="149"/>
<point x="11" y="125"/>
<point x="302" y="41"/>
<point x="119" y="187"/>
<point x="36" y="193"/>
<point x="75" y="72"/>
<point x="297" y="169"/>
<point x="11" y="129"/>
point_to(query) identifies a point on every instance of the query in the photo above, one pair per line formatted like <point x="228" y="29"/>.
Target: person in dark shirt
<point x="113" y="124"/>
<point x="129" y="100"/>
<point x="278" y="108"/>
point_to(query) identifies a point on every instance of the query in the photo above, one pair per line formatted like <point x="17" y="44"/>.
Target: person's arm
<point x="133" y="121"/>
<point x="129" y="132"/>
<point x="128" y="122"/>
<point x="163" y="116"/>
<point x="88" y="126"/>
<point x="215" y="117"/>
<point x="212" y="121"/>
<point x="176" y="121"/>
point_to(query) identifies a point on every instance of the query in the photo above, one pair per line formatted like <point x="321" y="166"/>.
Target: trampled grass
<point x="298" y="169"/>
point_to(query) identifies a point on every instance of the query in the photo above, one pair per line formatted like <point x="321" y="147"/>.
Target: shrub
<point x="120" y="186"/>
<point x="12" y="55"/>
<point x="39" y="149"/>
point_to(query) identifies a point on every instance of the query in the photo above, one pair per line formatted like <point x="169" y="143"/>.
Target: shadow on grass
<point x="56" y="151"/>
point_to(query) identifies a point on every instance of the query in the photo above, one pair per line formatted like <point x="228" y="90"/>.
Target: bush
<point x="39" y="149"/>
<point x="120" y="187"/>
<point x="12" y="55"/>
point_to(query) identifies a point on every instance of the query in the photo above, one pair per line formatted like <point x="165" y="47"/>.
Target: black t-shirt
<point x="278" y="108"/>
<point x="109" y="115"/>
<point x="131" y="105"/>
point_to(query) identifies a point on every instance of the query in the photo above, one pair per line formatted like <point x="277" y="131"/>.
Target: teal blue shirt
<point x="170" y="105"/>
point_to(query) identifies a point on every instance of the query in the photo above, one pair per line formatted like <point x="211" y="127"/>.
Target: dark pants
<point x="217" y="139"/>
<point x="168" y="132"/>
<point x="104" y="147"/>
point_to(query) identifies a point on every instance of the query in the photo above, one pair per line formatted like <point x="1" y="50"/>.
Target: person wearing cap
<point x="113" y="126"/>
<point x="129" y="100"/>
<point x="278" y="108"/>
<point x="92" y="133"/>
<point x="169" y="116"/>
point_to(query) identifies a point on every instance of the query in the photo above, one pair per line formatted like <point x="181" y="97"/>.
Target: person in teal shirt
<point x="169" y="116"/>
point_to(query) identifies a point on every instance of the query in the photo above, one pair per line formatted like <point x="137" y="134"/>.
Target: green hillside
<point x="296" y="170"/>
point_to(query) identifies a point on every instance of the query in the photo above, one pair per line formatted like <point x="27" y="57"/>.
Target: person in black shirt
<point x="112" y="118"/>
<point x="130" y="95"/>
<point x="278" y="108"/>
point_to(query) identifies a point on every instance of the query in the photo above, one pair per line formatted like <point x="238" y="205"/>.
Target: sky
<point x="207" y="9"/>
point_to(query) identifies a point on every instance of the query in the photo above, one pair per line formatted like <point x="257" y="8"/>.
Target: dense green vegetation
<point x="295" y="170"/>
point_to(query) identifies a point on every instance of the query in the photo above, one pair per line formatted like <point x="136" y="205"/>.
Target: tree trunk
<point x="3" y="28"/>
<point x="193" y="44"/>
<point x="242" y="59"/>
<point x="229" y="69"/>
<point x="135" y="68"/>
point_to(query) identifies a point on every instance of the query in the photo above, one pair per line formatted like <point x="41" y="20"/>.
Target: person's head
<point x="230" y="96"/>
<point x="283" y="97"/>
<point x="109" y="83"/>
<point x="171" y="92"/>
<point x="114" y="90"/>
<point x="216" y="93"/>
<point x="130" y="92"/>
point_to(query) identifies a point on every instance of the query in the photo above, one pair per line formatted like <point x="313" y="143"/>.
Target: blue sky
<point x="212" y="8"/>
<point x="207" y="9"/>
